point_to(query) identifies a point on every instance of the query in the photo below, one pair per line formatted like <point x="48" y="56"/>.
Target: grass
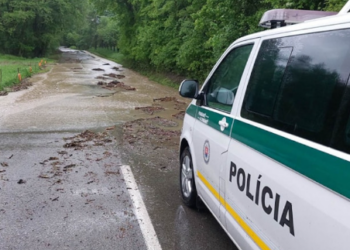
<point x="10" y="66"/>
<point x="167" y="79"/>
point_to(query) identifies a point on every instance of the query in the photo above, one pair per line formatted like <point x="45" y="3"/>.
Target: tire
<point x="187" y="181"/>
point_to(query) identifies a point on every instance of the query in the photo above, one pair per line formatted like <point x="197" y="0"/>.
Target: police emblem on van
<point x="206" y="152"/>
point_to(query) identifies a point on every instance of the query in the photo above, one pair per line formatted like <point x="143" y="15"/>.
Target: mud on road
<point x="62" y="143"/>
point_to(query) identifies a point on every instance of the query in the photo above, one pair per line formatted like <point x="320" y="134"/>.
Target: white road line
<point x="148" y="232"/>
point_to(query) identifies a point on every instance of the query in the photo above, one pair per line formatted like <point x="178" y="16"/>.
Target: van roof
<point x="315" y="23"/>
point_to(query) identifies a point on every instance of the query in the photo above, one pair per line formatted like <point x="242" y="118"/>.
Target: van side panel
<point x="286" y="209"/>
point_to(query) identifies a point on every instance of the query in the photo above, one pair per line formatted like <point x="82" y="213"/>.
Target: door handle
<point x="223" y="124"/>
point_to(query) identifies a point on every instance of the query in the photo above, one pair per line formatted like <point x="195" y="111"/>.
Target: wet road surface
<point x="62" y="145"/>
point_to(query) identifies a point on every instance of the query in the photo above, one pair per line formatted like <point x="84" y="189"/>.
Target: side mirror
<point x="189" y="89"/>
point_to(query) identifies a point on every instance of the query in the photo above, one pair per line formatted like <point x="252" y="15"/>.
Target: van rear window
<point x="299" y="85"/>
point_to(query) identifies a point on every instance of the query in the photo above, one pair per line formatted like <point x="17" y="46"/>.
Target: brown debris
<point x="150" y="131"/>
<point x="98" y="69"/>
<point x="4" y="164"/>
<point x="87" y="138"/>
<point x="72" y="145"/>
<point x="165" y="99"/>
<point x="3" y="93"/>
<point x="126" y="87"/>
<point x="69" y="166"/>
<point x="117" y="84"/>
<point x="150" y="109"/>
<point x="111" y="75"/>
<point x="106" y="64"/>
<point x="112" y="84"/>
<point x="102" y="77"/>
<point x="22" y="85"/>
<point x="100" y="83"/>
<point x="180" y="115"/>
<point x="115" y="68"/>
<point x="112" y="173"/>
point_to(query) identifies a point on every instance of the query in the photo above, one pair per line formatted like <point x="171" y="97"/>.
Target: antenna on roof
<point x="283" y="17"/>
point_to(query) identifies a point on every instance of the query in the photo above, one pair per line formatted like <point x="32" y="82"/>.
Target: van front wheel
<point x="187" y="184"/>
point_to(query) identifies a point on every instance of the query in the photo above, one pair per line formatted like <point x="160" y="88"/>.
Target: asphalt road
<point x="64" y="147"/>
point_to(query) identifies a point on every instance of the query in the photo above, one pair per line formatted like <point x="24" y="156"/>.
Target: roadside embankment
<point x="13" y="70"/>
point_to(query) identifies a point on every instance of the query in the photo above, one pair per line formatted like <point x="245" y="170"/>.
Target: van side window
<point x="222" y="86"/>
<point x="298" y="85"/>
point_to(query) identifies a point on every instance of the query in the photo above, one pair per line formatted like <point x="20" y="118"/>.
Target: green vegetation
<point x="187" y="37"/>
<point x="110" y="55"/>
<point x="33" y="28"/>
<point x="10" y="66"/>
<point x="178" y="37"/>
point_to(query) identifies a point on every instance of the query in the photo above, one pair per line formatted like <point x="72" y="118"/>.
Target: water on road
<point x="62" y="145"/>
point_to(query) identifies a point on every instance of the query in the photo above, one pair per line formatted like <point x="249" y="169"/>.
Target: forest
<point x="184" y="37"/>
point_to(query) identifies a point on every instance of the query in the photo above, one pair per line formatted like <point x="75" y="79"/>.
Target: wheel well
<point x="184" y="144"/>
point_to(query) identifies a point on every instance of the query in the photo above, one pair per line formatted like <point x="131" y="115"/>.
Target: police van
<point x="265" y="142"/>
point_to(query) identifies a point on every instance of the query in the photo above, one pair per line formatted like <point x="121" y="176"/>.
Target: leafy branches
<point x="33" y="27"/>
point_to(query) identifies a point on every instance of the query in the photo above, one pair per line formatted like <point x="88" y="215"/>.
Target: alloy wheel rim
<point x="186" y="176"/>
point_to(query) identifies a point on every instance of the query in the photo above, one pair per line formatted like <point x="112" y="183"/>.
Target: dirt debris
<point x="69" y="166"/>
<point x="3" y="93"/>
<point x="112" y="84"/>
<point x="112" y="75"/>
<point x="87" y="138"/>
<point x="98" y="69"/>
<point x="150" y="109"/>
<point x="152" y="131"/>
<point x="166" y="99"/>
<point x="117" y="84"/>
<point x="180" y="115"/>
<point x="24" y="84"/>
<point x="115" y="68"/>
<point x="101" y="77"/>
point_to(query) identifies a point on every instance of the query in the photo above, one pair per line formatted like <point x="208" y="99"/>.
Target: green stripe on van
<point x="326" y="169"/>
<point x="192" y="110"/>
<point x="210" y="118"/>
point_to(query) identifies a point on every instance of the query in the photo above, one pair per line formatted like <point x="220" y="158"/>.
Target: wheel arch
<point x="184" y="143"/>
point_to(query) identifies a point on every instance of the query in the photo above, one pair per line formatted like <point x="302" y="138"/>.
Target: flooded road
<point x="63" y="145"/>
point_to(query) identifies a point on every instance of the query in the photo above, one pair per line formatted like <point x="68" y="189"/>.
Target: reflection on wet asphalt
<point x="62" y="189"/>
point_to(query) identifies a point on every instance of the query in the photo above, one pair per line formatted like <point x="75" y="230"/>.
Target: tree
<point x="34" y="27"/>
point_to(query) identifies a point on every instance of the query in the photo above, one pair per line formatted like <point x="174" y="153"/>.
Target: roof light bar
<point x="283" y="17"/>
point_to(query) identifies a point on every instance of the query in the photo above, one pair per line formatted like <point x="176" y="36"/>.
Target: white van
<point x="265" y="142"/>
